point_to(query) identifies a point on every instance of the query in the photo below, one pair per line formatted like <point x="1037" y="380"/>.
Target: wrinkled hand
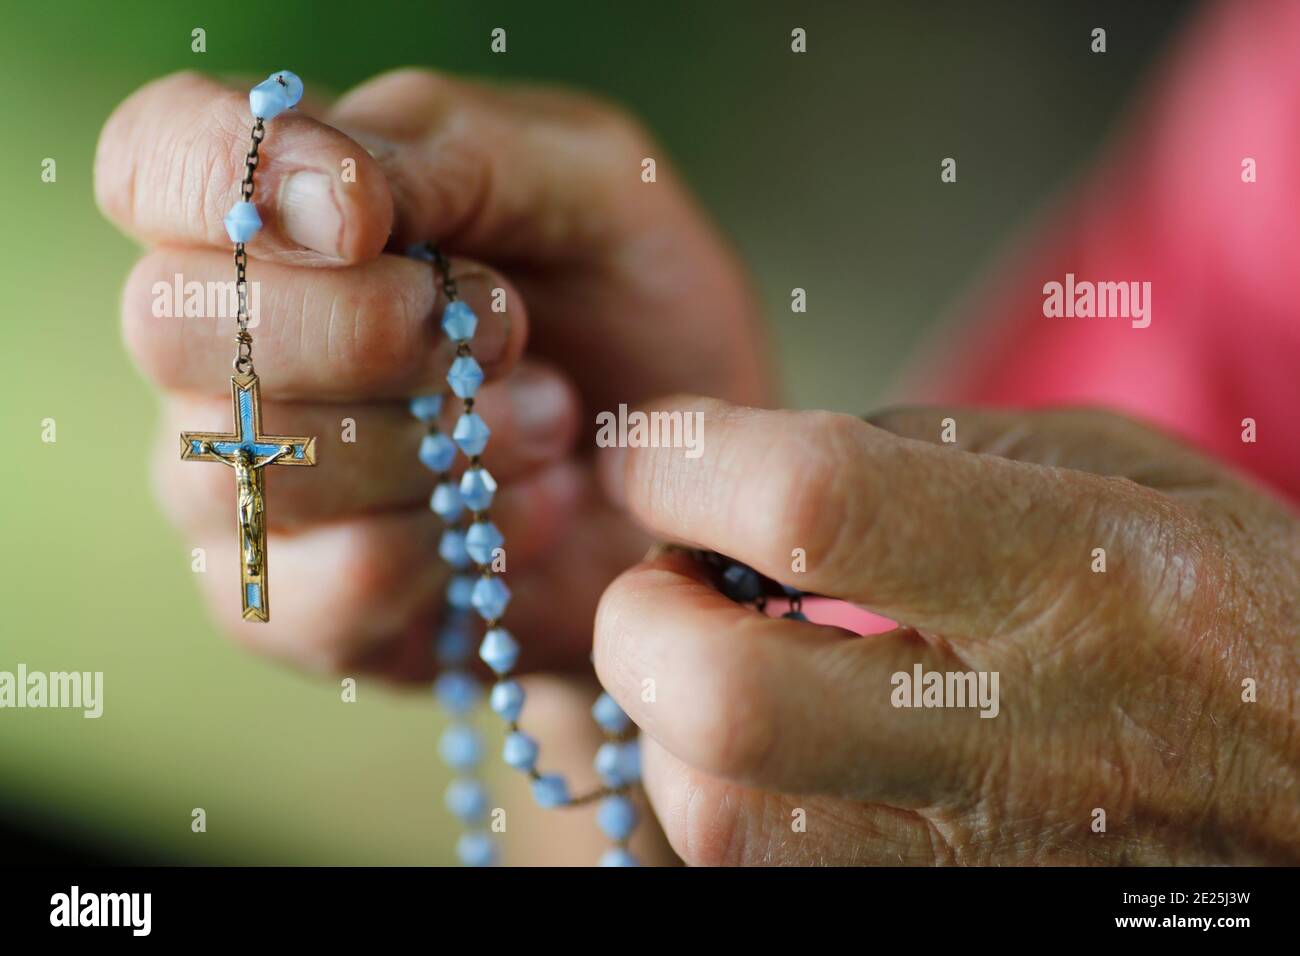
<point x="1164" y="690"/>
<point x="621" y="288"/>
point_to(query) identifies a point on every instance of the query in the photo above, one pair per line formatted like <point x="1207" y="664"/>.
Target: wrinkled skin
<point x="1120" y="690"/>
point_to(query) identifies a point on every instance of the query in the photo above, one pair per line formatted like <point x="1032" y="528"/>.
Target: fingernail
<point x="309" y="212"/>
<point x="542" y="408"/>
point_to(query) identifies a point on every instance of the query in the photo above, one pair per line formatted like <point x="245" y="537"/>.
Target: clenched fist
<point x="556" y="243"/>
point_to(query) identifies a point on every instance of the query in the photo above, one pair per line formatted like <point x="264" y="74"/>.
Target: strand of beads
<point x="457" y="689"/>
<point x="279" y="92"/>
<point x="477" y="541"/>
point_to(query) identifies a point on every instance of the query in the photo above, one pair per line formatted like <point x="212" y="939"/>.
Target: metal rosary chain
<point x="243" y="338"/>
<point x="443" y="265"/>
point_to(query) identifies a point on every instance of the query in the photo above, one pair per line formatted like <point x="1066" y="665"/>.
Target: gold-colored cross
<point x="248" y="451"/>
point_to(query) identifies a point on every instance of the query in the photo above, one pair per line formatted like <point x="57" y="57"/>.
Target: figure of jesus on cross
<point x="248" y="451"/>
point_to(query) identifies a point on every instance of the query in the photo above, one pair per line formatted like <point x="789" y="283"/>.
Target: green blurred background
<point x="822" y="167"/>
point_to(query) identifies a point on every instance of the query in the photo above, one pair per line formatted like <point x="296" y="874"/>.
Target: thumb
<point x="524" y="174"/>
<point x="171" y="159"/>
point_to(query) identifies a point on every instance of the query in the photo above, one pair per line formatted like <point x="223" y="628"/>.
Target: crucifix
<point x="248" y="451"/>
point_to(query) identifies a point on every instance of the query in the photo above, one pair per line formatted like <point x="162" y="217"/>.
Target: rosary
<point x="471" y="545"/>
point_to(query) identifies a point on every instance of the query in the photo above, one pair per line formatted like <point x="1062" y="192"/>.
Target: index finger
<point x="774" y="703"/>
<point x="936" y="538"/>
<point x="171" y="159"/>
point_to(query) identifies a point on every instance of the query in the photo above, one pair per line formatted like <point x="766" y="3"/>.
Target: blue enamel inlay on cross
<point x="247" y="436"/>
<point x="253" y="595"/>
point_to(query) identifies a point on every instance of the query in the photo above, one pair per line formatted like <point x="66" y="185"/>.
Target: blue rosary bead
<point x="507" y="700"/>
<point x="467" y="799"/>
<point x="618" y="763"/>
<point x="437" y="452"/>
<point x="461" y="747"/>
<point x="520" y="751"/>
<point x="550" y="790"/>
<point x="618" y="857"/>
<point x="741" y="583"/>
<point x="457" y="691"/>
<point x="795" y="616"/>
<point x="471" y="434"/>
<point x="477" y="489"/>
<point x="459" y="321"/>
<point x="242" y="222"/>
<point x="454" y="644"/>
<point x="490" y="597"/>
<point x="481" y="539"/>
<point x="630" y="761"/>
<point x="499" y="650"/>
<point x="476" y="849"/>
<point x="465" y="377"/>
<point x="460" y="592"/>
<point x="292" y="86"/>
<point x="446" y="502"/>
<point x="268" y="100"/>
<point x="609" y="715"/>
<point x="617" y="817"/>
<point x="426" y="407"/>
<point x="451" y="548"/>
<point x="607" y="764"/>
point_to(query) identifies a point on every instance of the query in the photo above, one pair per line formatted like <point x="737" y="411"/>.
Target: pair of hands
<point x="768" y="740"/>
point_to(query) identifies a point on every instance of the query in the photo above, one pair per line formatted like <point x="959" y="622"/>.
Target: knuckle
<point x="619" y="126"/>
<point x="588" y="110"/>
<point x="810" y="499"/>
<point x="116" y="163"/>
<point x="375" y="329"/>
<point x="464" y="156"/>
<point x="1184" y="573"/>
<point x="421" y="84"/>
